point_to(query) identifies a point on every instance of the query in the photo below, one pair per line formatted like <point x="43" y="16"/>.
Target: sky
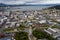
<point x="30" y="1"/>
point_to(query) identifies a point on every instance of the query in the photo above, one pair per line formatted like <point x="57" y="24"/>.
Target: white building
<point x="42" y="21"/>
<point x="54" y="32"/>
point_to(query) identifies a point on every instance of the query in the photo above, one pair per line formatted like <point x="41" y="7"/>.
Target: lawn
<point x="8" y="29"/>
<point x="55" y="26"/>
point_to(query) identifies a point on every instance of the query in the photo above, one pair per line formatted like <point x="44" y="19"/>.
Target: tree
<point x="21" y="36"/>
<point x="39" y="34"/>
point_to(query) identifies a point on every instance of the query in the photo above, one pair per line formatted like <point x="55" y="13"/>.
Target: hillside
<point x="15" y="5"/>
<point x="56" y="7"/>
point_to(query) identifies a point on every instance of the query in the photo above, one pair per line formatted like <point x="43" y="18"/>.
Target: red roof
<point x="2" y="35"/>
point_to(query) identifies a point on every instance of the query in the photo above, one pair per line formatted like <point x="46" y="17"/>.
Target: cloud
<point x="15" y="1"/>
<point x="30" y="1"/>
<point x="45" y="2"/>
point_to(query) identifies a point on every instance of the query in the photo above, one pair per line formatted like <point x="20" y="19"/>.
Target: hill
<point x="56" y="7"/>
<point x="15" y="5"/>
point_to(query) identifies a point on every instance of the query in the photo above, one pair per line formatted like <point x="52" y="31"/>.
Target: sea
<point x="24" y="8"/>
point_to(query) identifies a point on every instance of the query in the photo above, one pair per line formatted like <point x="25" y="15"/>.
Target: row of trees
<point x="39" y="34"/>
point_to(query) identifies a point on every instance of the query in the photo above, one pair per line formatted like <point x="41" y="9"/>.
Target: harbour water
<point x="27" y="8"/>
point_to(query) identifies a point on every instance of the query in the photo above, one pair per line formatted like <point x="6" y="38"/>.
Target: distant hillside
<point x="14" y="5"/>
<point x="2" y="5"/>
<point x="56" y="7"/>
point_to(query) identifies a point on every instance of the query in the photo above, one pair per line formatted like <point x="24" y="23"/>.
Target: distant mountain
<point x="56" y="7"/>
<point x="1" y="5"/>
<point x="6" y="5"/>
